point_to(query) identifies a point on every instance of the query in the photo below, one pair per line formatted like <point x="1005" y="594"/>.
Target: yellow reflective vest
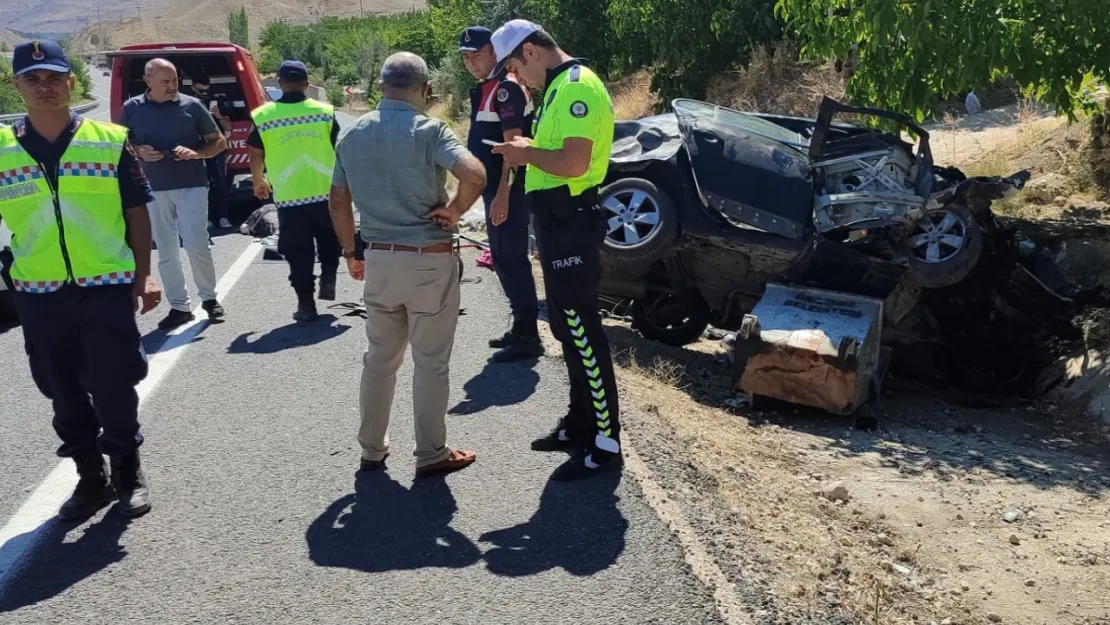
<point x="75" y="233"/>
<point x="298" y="150"/>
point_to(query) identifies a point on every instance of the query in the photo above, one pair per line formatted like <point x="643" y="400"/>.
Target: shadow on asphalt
<point x="577" y="528"/>
<point x="289" y="337"/>
<point x="42" y="578"/>
<point x="499" y="384"/>
<point x="384" y="526"/>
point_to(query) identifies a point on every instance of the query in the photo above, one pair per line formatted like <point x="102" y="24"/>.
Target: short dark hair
<point x="539" y="38"/>
<point x="201" y="79"/>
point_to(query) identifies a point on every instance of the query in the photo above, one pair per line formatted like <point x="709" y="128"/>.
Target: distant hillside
<point x="8" y="37"/>
<point x="138" y="21"/>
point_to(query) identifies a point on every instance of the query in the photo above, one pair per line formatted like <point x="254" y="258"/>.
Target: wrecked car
<point x="707" y="205"/>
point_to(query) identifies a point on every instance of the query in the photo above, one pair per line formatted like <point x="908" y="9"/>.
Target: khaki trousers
<point x="411" y="298"/>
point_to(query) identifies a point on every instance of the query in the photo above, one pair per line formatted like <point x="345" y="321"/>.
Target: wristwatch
<point x="348" y="255"/>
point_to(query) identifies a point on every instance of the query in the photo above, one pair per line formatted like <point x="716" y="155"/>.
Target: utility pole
<point x="361" y="11"/>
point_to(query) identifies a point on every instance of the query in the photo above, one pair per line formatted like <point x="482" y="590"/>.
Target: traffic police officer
<point x="567" y="160"/>
<point x="501" y="110"/>
<point x="294" y="141"/>
<point x="75" y="200"/>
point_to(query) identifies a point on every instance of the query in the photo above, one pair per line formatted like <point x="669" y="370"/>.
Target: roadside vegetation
<point x="10" y="100"/>
<point x="918" y="58"/>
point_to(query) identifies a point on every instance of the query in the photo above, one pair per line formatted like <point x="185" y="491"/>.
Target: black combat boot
<point x="524" y="342"/>
<point x="327" y="287"/>
<point x="306" y="308"/>
<point x="93" y="490"/>
<point x="130" y="485"/>
<point x="562" y="439"/>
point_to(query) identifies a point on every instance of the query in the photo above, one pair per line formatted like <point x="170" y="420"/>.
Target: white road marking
<point x="702" y="565"/>
<point x="22" y="532"/>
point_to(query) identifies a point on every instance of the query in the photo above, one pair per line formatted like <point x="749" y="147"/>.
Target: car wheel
<point x="669" y="319"/>
<point x="944" y="246"/>
<point x="642" y="221"/>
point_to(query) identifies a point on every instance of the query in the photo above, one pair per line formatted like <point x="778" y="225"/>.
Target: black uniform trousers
<point x="305" y="232"/>
<point x="508" y="244"/>
<point x="87" y="357"/>
<point x="217" y="187"/>
<point x="569" y="232"/>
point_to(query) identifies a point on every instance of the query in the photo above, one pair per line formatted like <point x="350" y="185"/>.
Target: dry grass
<point x="632" y="96"/>
<point x="776" y="82"/>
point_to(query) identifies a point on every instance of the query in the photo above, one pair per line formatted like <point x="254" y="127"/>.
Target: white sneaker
<point x="224" y="223"/>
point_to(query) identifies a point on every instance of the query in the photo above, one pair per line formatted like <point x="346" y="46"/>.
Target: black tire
<point x="680" y="324"/>
<point x="952" y="270"/>
<point x="658" y="241"/>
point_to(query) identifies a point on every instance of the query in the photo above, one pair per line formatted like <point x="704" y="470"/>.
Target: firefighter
<point x="75" y="199"/>
<point x="294" y="142"/>
<point x="567" y="159"/>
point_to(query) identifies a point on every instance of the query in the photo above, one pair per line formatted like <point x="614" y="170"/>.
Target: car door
<point x="752" y="171"/>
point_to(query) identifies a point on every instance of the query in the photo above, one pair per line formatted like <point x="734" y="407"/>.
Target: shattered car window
<point x="742" y="121"/>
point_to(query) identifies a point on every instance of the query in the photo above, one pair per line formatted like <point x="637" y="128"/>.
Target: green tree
<point x="910" y="52"/>
<point x="80" y="68"/>
<point x="238" y="28"/>
<point x="690" y="41"/>
<point x="10" y="100"/>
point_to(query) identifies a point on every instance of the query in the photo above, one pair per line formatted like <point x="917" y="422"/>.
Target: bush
<point x="690" y="41"/>
<point x="84" y="80"/>
<point x="337" y="96"/>
<point x="452" y="83"/>
<point x="10" y="100"/>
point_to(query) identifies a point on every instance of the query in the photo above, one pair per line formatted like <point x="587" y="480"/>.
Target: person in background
<point x="567" y="160"/>
<point x="173" y="134"/>
<point x="217" y="165"/>
<point x="393" y="164"/>
<point x="500" y="110"/>
<point x="294" y="140"/>
<point x="79" y="275"/>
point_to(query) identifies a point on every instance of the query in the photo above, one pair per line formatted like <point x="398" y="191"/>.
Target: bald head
<point x="161" y="78"/>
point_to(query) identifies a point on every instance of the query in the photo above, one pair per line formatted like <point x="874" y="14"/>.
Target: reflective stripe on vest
<point x="92" y="230"/>
<point x="487" y="110"/>
<point x="298" y="151"/>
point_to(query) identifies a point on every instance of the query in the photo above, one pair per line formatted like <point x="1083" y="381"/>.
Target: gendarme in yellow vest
<point x="77" y="232"/>
<point x="299" y="154"/>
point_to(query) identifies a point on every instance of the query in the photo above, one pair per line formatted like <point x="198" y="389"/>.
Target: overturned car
<point x="708" y="205"/>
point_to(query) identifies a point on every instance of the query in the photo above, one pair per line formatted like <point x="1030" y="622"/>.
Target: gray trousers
<point x="183" y="213"/>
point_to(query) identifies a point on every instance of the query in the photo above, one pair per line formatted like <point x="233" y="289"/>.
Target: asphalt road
<point x="258" y="518"/>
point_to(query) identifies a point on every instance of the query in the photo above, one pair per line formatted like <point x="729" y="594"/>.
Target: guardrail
<point x="88" y="106"/>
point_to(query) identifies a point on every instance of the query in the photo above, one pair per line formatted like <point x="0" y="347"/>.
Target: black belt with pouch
<point x="559" y="204"/>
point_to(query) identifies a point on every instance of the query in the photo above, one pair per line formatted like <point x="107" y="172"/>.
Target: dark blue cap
<point x="293" y="71"/>
<point x="474" y="38"/>
<point x="39" y="54"/>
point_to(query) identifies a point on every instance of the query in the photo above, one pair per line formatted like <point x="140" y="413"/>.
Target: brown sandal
<point x="455" y="461"/>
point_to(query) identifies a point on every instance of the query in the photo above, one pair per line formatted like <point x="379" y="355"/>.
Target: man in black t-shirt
<point x="217" y="166"/>
<point x="501" y="110"/>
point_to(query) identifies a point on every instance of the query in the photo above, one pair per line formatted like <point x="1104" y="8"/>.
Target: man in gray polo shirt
<point x="393" y="164"/>
<point x="173" y="133"/>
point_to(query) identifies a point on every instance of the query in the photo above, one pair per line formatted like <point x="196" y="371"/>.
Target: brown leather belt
<point x="438" y="248"/>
